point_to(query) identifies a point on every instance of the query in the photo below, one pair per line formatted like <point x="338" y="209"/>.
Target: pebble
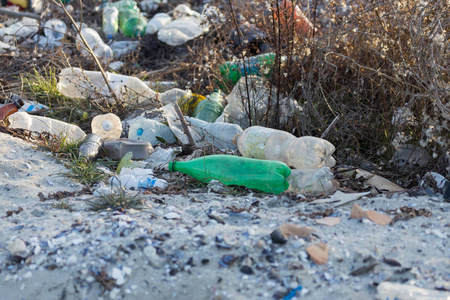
<point x="17" y="247"/>
<point x="171" y="216"/>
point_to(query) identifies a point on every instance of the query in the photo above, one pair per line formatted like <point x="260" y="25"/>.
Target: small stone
<point x="27" y="275"/>
<point x="17" y="247"/>
<point x="247" y="270"/>
<point x="277" y="237"/>
<point x="71" y="260"/>
<point x="171" y="216"/>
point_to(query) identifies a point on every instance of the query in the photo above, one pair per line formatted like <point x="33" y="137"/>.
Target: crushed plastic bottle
<point x="95" y="42"/>
<point x="151" y="131"/>
<point x="71" y="133"/>
<point x="23" y="28"/>
<point x="78" y="83"/>
<point x="300" y="153"/>
<point x="55" y="30"/>
<point x="137" y="178"/>
<point x="311" y="181"/>
<point x="157" y="22"/>
<point x="108" y="126"/>
<point x="209" y="109"/>
<point x="263" y="175"/>
<point x="182" y="30"/>
<point x="219" y="134"/>
<point x="110" y="21"/>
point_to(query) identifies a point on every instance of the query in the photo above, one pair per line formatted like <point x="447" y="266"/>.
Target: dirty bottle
<point x="69" y="132"/>
<point x="310" y="181"/>
<point x="232" y="71"/>
<point x="157" y="22"/>
<point x="151" y="131"/>
<point x="263" y="175"/>
<point x="132" y="23"/>
<point x="107" y="126"/>
<point x="95" y="42"/>
<point x="110" y="21"/>
<point x="117" y="148"/>
<point x="220" y="134"/>
<point x="90" y="148"/>
<point x="10" y="108"/>
<point x="305" y="152"/>
<point x="209" y="109"/>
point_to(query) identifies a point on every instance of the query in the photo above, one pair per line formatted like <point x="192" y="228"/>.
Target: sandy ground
<point x="172" y="249"/>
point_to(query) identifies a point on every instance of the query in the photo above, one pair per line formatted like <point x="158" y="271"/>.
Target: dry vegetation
<point x="382" y="66"/>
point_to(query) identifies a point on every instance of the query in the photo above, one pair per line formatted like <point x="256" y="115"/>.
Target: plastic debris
<point x="359" y="213"/>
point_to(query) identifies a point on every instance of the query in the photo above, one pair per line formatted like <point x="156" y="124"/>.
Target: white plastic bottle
<point x="55" y="30"/>
<point x="78" y="83"/>
<point x="150" y="130"/>
<point x="305" y="152"/>
<point x="107" y="126"/>
<point x="95" y="42"/>
<point x="157" y="22"/>
<point x="110" y="21"/>
<point x="173" y="95"/>
<point x="23" y="120"/>
<point x="310" y="181"/>
<point x="219" y="134"/>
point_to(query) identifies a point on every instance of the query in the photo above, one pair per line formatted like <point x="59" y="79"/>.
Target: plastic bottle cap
<point x="139" y="131"/>
<point x="107" y="125"/>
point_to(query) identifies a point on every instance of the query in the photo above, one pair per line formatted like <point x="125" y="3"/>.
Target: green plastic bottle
<point x="268" y="176"/>
<point x="132" y="23"/>
<point x="231" y="72"/>
<point x="210" y="108"/>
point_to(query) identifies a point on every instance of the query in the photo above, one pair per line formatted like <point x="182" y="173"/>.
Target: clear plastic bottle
<point x="78" y="83"/>
<point x="132" y="23"/>
<point x="131" y="182"/>
<point x="310" y="181"/>
<point x="300" y="153"/>
<point x="107" y="126"/>
<point x="174" y="95"/>
<point x="157" y="22"/>
<point x="124" y="5"/>
<point x="151" y="131"/>
<point x="90" y="148"/>
<point x="110" y="21"/>
<point x="55" y="30"/>
<point x="70" y="132"/>
<point x="219" y="134"/>
<point x="262" y="175"/>
<point x="95" y="42"/>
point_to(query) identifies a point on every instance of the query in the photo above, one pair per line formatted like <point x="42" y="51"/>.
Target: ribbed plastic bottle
<point x="110" y="21"/>
<point x="231" y="72"/>
<point x="95" y="42"/>
<point x="220" y="134"/>
<point x="132" y="23"/>
<point x="117" y="148"/>
<point x="10" y="108"/>
<point x="261" y="175"/>
<point x="151" y="131"/>
<point x="90" y="148"/>
<point x="305" y="152"/>
<point x="107" y="126"/>
<point x="72" y="133"/>
<point x="157" y="22"/>
<point x="209" y="109"/>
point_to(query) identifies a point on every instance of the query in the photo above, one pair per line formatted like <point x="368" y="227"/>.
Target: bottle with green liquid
<point x="263" y="175"/>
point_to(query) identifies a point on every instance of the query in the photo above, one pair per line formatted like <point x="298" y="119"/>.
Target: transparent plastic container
<point x="300" y="153"/>
<point x="219" y="134"/>
<point x="95" y="42"/>
<point x="90" y="148"/>
<point x="107" y="126"/>
<point x="110" y="21"/>
<point x="78" y="83"/>
<point x="124" y="5"/>
<point x="117" y="148"/>
<point x="151" y="131"/>
<point x="131" y="182"/>
<point x="209" y="109"/>
<point x="70" y="132"/>
<point x="55" y="30"/>
<point x="311" y="181"/>
<point x="174" y="95"/>
<point x="157" y="22"/>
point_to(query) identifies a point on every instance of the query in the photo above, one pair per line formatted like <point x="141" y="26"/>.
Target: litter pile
<point x="201" y="199"/>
